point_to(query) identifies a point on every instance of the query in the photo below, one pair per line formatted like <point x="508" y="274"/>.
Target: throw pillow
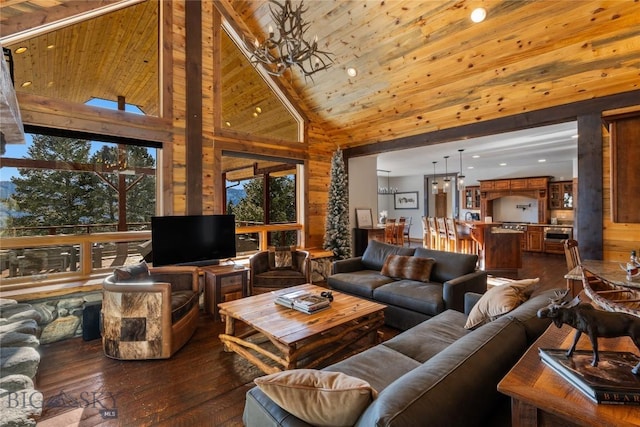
<point x="132" y="272"/>
<point x="500" y="300"/>
<point x="281" y="257"/>
<point x="321" y="398"/>
<point x="408" y="267"/>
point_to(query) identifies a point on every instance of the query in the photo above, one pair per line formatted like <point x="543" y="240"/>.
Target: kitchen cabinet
<point x="553" y="248"/>
<point x="561" y="195"/>
<point x="486" y="185"/>
<point x="502" y="184"/>
<point x="518" y="184"/>
<point x="472" y="197"/>
<point x="534" y="239"/>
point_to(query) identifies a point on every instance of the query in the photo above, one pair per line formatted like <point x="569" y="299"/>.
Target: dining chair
<point x="390" y="231"/>
<point x="406" y="231"/>
<point x="572" y="256"/>
<point x="399" y="232"/>
<point x="571" y="253"/>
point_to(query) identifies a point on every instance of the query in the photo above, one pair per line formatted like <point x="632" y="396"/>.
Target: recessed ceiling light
<point x="476" y="156"/>
<point x="255" y="114"/>
<point x="25" y="84"/>
<point x="503" y="164"/>
<point x="51" y="46"/>
<point x="574" y="136"/>
<point x="258" y="110"/>
<point x="469" y="167"/>
<point x="21" y="49"/>
<point x="228" y="123"/>
<point x="542" y="160"/>
<point x="352" y="72"/>
<point x="478" y="14"/>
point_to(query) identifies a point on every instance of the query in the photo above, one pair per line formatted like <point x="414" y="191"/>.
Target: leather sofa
<point x="435" y="374"/>
<point x="409" y="302"/>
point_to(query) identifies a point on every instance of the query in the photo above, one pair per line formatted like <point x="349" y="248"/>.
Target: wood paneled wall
<point x="618" y="238"/>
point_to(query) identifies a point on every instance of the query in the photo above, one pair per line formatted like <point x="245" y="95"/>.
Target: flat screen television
<point x="192" y="239"/>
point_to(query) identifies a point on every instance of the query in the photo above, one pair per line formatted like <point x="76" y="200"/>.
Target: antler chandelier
<point x="286" y="47"/>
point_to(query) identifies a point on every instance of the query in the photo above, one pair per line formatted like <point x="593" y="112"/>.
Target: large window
<point x="253" y="204"/>
<point x="66" y="185"/>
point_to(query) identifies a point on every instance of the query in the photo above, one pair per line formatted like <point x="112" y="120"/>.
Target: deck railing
<point x="37" y="261"/>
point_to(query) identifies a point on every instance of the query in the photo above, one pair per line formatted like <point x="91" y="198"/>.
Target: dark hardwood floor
<point x="200" y="386"/>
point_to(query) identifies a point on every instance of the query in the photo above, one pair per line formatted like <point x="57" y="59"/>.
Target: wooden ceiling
<point x="422" y="65"/>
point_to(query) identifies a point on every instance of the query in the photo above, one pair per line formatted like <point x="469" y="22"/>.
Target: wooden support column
<point x="193" y="66"/>
<point x="588" y="217"/>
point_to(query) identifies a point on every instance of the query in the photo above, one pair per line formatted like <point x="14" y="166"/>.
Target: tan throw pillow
<point x="321" y="398"/>
<point x="500" y="300"/>
<point x="408" y="267"/>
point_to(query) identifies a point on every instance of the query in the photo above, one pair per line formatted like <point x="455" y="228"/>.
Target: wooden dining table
<point x="609" y="270"/>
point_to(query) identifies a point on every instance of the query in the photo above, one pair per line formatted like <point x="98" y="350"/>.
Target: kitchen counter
<point x="500" y="251"/>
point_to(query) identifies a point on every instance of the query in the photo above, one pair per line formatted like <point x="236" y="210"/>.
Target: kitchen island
<point x="499" y="249"/>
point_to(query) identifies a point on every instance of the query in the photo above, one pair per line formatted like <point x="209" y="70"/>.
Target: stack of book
<point x="611" y="382"/>
<point x="303" y="301"/>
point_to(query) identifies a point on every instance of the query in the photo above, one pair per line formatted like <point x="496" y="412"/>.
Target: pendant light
<point x="461" y="176"/>
<point x="434" y="183"/>
<point x="445" y="187"/>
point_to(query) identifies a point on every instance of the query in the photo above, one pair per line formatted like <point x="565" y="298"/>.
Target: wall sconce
<point x="434" y="183"/>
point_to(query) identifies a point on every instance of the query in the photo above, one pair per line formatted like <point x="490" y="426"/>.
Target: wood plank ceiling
<point x="422" y="65"/>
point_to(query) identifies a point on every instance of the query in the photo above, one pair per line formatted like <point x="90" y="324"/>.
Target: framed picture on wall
<point x="364" y="218"/>
<point x="406" y="200"/>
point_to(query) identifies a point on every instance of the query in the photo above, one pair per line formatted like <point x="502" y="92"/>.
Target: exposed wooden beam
<point x="193" y="65"/>
<point x="10" y="162"/>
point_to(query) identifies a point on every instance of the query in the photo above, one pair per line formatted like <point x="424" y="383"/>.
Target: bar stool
<point x="425" y="232"/>
<point x="434" y="240"/>
<point x="458" y="242"/>
<point x="443" y="238"/>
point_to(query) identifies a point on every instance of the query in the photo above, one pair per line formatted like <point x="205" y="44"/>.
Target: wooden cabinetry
<point x="472" y="197"/>
<point x="486" y="185"/>
<point x="503" y="184"/>
<point x="518" y="184"/>
<point x="561" y="195"/>
<point x="532" y="187"/>
<point x="534" y="239"/>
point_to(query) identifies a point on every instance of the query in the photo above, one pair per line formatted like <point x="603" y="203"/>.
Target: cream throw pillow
<point x="500" y="300"/>
<point x="321" y="398"/>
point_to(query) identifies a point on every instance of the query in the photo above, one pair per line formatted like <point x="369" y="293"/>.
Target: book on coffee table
<point x="303" y="301"/>
<point x="611" y="382"/>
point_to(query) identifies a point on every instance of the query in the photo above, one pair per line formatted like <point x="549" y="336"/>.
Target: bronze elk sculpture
<point x="584" y="318"/>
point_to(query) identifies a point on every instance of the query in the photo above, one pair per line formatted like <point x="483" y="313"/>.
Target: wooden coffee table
<point x="279" y="338"/>
<point x="540" y="397"/>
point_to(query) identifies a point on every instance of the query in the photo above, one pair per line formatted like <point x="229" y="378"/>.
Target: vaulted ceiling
<point x="422" y="65"/>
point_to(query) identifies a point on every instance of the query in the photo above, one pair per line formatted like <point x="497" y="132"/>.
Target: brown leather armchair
<point x="267" y="275"/>
<point x="152" y="315"/>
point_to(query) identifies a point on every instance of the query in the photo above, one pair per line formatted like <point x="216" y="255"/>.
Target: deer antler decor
<point x="286" y="47"/>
